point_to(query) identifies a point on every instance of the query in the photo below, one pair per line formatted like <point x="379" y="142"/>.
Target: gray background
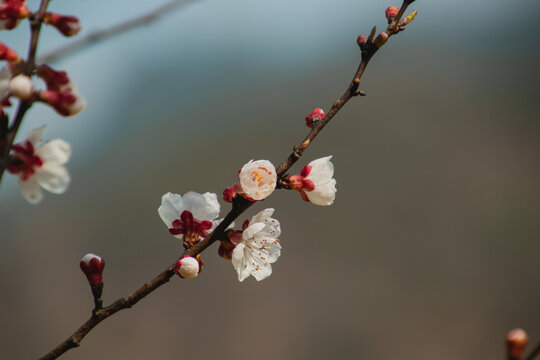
<point x="429" y="252"/>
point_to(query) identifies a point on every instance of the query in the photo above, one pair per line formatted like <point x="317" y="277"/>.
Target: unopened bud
<point x="230" y="192"/>
<point x="67" y="25"/>
<point x="55" y="80"/>
<point x="380" y="39"/>
<point x="361" y="41"/>
<point x="11" y="12"/>
<point x="21" y="86"/>
<point x="187" y="267"/>
<point x="92" y="266"/>
<point x="314" y="117"/>
<point x="391" y="13"/>
<point x="408" y="19"/>
<point x="516" y="340"/>
<point x="65" y="102"/>
<point x="7" y="53"/>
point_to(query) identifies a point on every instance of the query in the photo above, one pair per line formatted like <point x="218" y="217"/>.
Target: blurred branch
<point x="534" y="353"/>
<point x="115" y="30"/>
<point x="240" y="204"/>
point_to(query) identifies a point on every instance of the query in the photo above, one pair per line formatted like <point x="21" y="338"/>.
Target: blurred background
<point x="430" y="251"/>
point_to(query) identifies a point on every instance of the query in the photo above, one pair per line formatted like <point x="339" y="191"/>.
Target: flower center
<point x="24" y="161"/>
<point x="259" y="176"/>
<point x="191" y="228"/>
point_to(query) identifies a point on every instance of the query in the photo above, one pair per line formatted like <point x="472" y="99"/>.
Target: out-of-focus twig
<point x="115" y="30"/>
<point x="534" y="353"/>
<point x="240" y="204"/>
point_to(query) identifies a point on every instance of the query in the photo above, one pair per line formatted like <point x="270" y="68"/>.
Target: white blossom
<point x="259" y="247"/>
<point x="258" y="179"/>
<point x="40" y="165"/>
<point x="316" y="183"/>
<point x="191" y="216"/>
<point x="187" y="267"/>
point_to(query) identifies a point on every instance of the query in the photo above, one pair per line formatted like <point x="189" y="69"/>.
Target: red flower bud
<point x="92" y="266"/>
<point x="67" y="25"/>
<point x="7" y="53"/>
<point x="65" y="102"/>
<point x="11" y="11"/>
<point x="391" y="13"/>
<point x="361" y="40"/>
<point x="315" y="116"/>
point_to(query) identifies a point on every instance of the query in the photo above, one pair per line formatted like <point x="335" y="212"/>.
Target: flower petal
<point x="57" y="151"/>
<point x="171" y="207"/>
<point x="30" y="190"/>
<point x="322" y="170"/>
<point x="323" y="194"/>
<point x="53" y="177"/>
<point x="202" y="206"/>
<point x="252" y="229"/>
<point x="35" y="136"/>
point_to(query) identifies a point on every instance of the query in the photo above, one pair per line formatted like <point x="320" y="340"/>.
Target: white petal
<point x="323" y="194"/>
<point x="57" y="151"/>
<point x="269" y="249"/>
<point x="202" y="206"/>
<point x="171" y="208"/>
<point x="30" y="190"/>
<point x="251" y="230"/>
<point x="262" y="215"/>
<point x="35" y="136"/>
<point x="258" y="179"/>
<point x="322" y="170"/>
<point x="240" y="263"/>
<point x="53" y="177"/>
<point x="261" y="272"/>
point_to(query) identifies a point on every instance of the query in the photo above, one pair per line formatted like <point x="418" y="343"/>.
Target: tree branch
<point x="534" y="353"/>
<point x="240" y="204"/>
<point x="115" y="30"/>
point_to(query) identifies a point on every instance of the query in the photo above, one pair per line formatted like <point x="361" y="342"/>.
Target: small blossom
<point x="189" y="217"/>
<point x="187" y="267"/>
<point x="67" y="25"/>
<point x="11" y="12"/>
<point x="314" y="117"/>
<point x="7" y="53"/>
<point x="316" y="183"/>
<point x="258" y="248"/>
<point x="40" y="165"/>
<point x="92" y="266"/>
<point x="21" y="86"/>
<point x="391" y="13"/>
<point x="258" y="179"/>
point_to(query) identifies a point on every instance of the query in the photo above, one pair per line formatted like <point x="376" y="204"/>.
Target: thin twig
<point x="240" y="205"/>
<point x="115" y="30"/>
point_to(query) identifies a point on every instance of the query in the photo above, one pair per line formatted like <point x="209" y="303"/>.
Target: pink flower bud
<point x="391" y="13"/>
<point x="67" y="25"/>
<point x="315" y="116"/>
<point x="187" y="267"/>
<point x="361" y="40"/>
<point x="516" y="340"/>
<point x="380" y="39"/>
<point x="7" y="53"/>
<point x="65" y="102"/>
<point x="92" y="266"/>
<point x="21" y="86"/>
<point x="230" y="192"/>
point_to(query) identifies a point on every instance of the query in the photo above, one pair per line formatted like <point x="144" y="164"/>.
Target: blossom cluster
<point x="253" y="248"/>
<point x="38" y="165"/>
